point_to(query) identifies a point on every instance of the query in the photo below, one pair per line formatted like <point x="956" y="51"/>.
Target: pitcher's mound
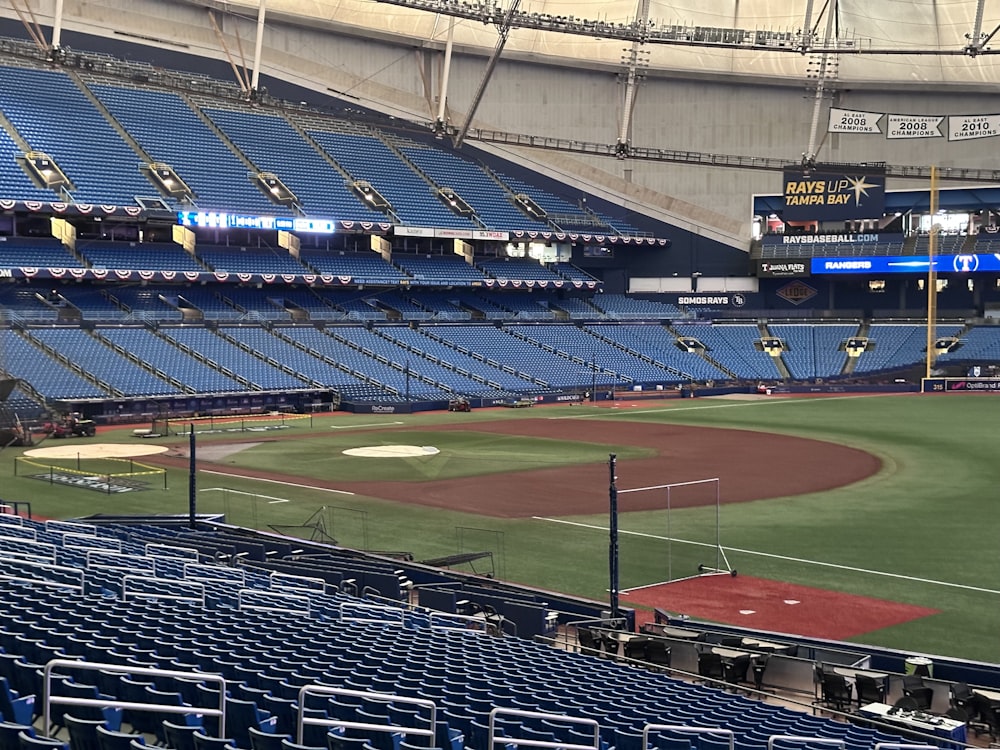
<point x="392" y="451"/>
<point x="96" y="450"/>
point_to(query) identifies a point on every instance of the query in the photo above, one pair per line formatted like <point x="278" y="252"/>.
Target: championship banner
<point x="913" y="126"/>
<point x="832" y="196"/>
<point x="853" y="121"/>
<point x="970" y="127"/>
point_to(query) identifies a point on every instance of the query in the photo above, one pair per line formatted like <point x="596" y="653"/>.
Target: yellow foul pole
<point x="932" y="274"/>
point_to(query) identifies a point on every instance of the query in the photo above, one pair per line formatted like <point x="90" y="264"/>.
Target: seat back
<point x="869" y="689"/>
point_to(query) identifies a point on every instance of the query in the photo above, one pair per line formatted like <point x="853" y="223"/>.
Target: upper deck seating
<point x="369" y="159"/>
<point x="170" y="132"/>
<point x="14" y="181"/>
<point x="273" y="145"/>
<point x="54" y="116"/>
<point x="489" y="201"/>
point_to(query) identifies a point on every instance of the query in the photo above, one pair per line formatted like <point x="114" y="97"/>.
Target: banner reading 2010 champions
<point x="833" y="196"/>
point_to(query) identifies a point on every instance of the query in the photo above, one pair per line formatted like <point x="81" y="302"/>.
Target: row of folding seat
<point x="467" y="673"/>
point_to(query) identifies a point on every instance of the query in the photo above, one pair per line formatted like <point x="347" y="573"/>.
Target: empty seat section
<point x="231" y="357"/>
<point x="368" y="158"/>
<point x="170" y="132"/>
<point x="196" y="376"/>
<point x="54" y="116"/>
<point x="273" y="145"/>
<point x="813" y="350"/>
<point x="103" y="362"/>
<point x="492" y="204"/>
<point x="144" y="256"/>
<point x="46" y="374"/>
<point x="657" y="342"/>
<point x="734" y="346"/>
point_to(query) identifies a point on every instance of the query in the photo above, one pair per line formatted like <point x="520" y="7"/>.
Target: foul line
<point x="370" y="424"/>
<point x="275" y="500"/>
<point x="836" y="566"/>
<point x="274" y="481"/>
<point x="728" y="405"/>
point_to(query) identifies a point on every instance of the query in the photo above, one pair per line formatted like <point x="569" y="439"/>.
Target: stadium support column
<point x="503" y="26"/>
<point x="977" y="40"/>
<point x="258" y="46"/>
<point x="613" y="535"/>
<point x="57" y="27"/>
<point x="826" y="69"/>
<point x="932" y="274"/>
<point x="441" y="122"/>
<point x="634" y="61"/>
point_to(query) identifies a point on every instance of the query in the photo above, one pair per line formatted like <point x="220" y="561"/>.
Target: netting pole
<point x="613" y="540"/>
<point x="670" y="542"/>
<point x="718" y="529"/>
<point x="192" y="483"/>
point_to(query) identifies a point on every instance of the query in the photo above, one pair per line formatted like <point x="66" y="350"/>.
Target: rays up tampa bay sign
<point x="824" y="195"/>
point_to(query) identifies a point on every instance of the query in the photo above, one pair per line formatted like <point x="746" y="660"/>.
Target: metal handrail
<point x="314" y="689"/>
<point x="526" y="742"/>
<point x="48" y="700"/>
<point x="649" y="728"/>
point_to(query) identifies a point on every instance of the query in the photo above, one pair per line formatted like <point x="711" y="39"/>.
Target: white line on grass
<point x="274" y="481"/>
<point x="779" y="557"/>
<point x="727" y="405"/>
<point x="370" y="424"/>
<point x="274" y="500"/>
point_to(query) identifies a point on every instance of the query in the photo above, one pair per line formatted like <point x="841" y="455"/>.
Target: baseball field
<point x="857" y="504"/>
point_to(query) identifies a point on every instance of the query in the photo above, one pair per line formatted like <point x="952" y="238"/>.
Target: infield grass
<point x="924" y="530"/>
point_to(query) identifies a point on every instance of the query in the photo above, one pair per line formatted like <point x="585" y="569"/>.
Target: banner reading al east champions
<point x="831" y="196"/>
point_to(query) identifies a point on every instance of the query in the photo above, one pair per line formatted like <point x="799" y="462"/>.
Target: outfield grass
<point x="923" y="530"/>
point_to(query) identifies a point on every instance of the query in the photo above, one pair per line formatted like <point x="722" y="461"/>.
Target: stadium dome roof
<point x="921" y="41"/>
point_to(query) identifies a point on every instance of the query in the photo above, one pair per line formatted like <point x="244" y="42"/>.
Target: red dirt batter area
<point x="761" y="604"/>
<point x="749" y="466"/>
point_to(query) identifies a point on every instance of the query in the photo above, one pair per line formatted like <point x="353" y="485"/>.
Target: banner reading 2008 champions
<point x="832" y="196"/>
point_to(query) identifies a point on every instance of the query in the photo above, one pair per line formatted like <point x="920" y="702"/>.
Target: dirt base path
<point x="749" y="465"/>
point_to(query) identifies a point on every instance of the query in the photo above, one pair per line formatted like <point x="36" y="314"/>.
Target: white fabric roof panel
<point x="926" y="26"/>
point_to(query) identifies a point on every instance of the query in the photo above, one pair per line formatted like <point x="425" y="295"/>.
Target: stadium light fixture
<point x="276" y="190"/>
<point x="44" y="168"/>
<point x="370" y="196"/>
<point x="168" y="180"/>
<point x="454" y="201"/>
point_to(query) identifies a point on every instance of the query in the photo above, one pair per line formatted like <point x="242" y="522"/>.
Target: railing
<point x="266" y="601"/>
<point x="307" y="690"/>
<point x="48" y="700"/>
<point x="164" y="588"/>
<point x="812" y="741"/>
<point x="716" y="731"/>
<point x="33" y="570"/>
<point x="556" y="718"/>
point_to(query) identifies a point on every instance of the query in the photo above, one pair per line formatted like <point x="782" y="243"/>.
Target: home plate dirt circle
<point x="392" y="451"/>
<point x="96" y="450"/>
